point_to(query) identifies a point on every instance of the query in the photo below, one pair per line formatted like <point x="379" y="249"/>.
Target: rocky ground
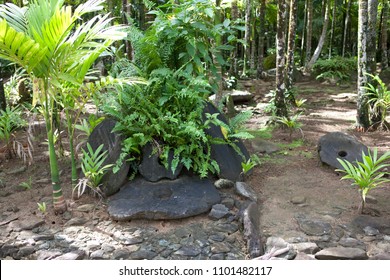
<point x="297" y="207"/>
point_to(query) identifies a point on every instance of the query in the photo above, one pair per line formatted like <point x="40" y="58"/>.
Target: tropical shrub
<point x="379" y="100"/>
<point x="368" y="174"/>
<point x="178" y="59"/>
<point x="337" y="68"/>
<point x="57" y="49"/>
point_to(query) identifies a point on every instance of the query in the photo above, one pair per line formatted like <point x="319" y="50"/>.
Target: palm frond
<point x="15" y="16"/>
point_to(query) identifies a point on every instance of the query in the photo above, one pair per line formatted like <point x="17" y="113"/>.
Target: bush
<point x="337" y="68"/>
<point x="269" y="62"/>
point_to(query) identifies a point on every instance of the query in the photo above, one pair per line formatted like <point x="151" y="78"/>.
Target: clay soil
<point x="293" y="172"/>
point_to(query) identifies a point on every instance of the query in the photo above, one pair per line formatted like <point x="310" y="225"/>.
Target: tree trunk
<point x="332" y="28"/>
<point x="234" y="55"/>
<point x="346" y="23"/>
<point x="260" y="54"/>
<point x="127" y="11"/>
<point x="291" y="45"/>
<point x="362" y="118"/>
<point x="384" y="27"/>
<point x="372" y="35"/>
<point x="321" y="42"/>
<point x="309" y="30"/>
<point x="281" y="109"/>
<point x="247" y="39"/>
<point x="303" y="35"/>
<point x="252" y="61"/>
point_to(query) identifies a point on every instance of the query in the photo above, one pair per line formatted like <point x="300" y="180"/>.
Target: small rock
<point x="228" y="202"/>
<point x="28" y="224"/>
<point x="341" y="253"/>
<point x="4" y="193"/>
<point x="121" y="254"/>
<point x="218" y="211"/>
<point x="217" y="257"/>
<point x="218" y="248"/>
<point x="218" y="237"/>
<point x="370" y="231"/>
<point x="43" y="181"/>
<point x="228" y="228"/>
<point x="246" y="191"/>
<point x="143" y="255"/>
<point x="77" y="221"/>
<point x="86" y="208"/>
<point x="304" y="257"/>
<point x="25" y="251"/>
<point x="132" y="240"/>
<point x="307" y="247"/>
<point x="48" y="255"/>
<point x="97" y="255"/>
<point x="108" y="248"/>
<point x="67" y="215"/>
<point x="351" y="242"/>
<point x="381" y="256"/>
<point x="17" y="170"/>
<point x="47" y="236"/>
<point x="93" y="244"/>
<point x="224" y="184"/>
<point x="314" y="227"/>
<point x="75" y="255"/>
<point x="298" y="200"/>
<point x="188" y="251"/>
<point x="276" y="243"/>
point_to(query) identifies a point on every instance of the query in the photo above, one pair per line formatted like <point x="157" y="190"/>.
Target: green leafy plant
<point x="336" y="68"/>
<point x="291" y="123"/>
<point x="12" y="120"/>
<point x="42" y="207"/>
<point x="93" y="168"/>
<point x="249" y="164"/>
<point x="27" y="185"/>
<point x="178" y="56"/>
<point x="366" y="175"/>
<point x="299" y="103"/>
<point x="379" y="99"/>
<point x="57" y="49"/>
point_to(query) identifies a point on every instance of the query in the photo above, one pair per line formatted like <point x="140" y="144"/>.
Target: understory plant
<point x="337" y="68"/>
<point x="379" y="100"/>
<point x="57" y="49"/>
<point x="367" y="174"/>
<point x="93" y="168"/>
<point x="12" y="120"/>
<point x="177" y="55"/>
<point x="291" y="123"/>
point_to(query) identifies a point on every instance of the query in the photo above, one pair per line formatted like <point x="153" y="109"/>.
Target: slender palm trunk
<point x="321" y="42"/>
<point x="303" y="35"/>
<point x="233" y="70"/>
<point x="281" y="109"/>
<point x="346" y="23"/>
<point x="384" y="27"/>
<point x="248" y="18"/>
<point x="372" y="35"/>
<point x="260" y="54"/>
<point x="362" y="118"/>
<point x="58" y="197"/>
<point x="332" y="28"/>
<point x="309" y="30"/>
<point x="291" y="46"/>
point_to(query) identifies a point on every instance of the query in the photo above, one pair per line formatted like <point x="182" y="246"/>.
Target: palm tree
<point x="57" y="49"/>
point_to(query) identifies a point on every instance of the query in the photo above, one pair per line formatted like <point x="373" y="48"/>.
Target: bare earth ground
<point x="293" y="172"/>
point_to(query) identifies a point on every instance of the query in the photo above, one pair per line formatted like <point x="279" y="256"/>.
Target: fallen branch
<point x="273" y="253"/>
<point x="9" y="220"/>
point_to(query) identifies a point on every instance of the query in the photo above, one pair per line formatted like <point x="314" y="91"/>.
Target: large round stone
<point x="166" y="199"/>
<point x="228" y="159"/>
<point x="336" y="145"/>
<point x="112" y="141"/>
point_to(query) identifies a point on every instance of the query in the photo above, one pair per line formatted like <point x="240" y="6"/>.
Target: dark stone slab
<point x="228" y="159"/>
<point x="152" y="170"/>
<point x="166" y="199"/>
<point x="112" y="142"/>
<point x="314" y="227"/>
<point x="251" y="218"/>
<point x="339" y="145"/>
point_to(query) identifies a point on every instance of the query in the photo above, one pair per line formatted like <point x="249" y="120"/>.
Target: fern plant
<point x="366" y="175"/>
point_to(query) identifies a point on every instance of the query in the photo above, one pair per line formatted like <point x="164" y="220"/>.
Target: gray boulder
<point x="112" y="141"/>
<point x="336" y="145"/>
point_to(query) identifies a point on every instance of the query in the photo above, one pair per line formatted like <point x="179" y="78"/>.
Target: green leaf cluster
<point x="337" y="68"/>
<point x="367" y="174"/>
